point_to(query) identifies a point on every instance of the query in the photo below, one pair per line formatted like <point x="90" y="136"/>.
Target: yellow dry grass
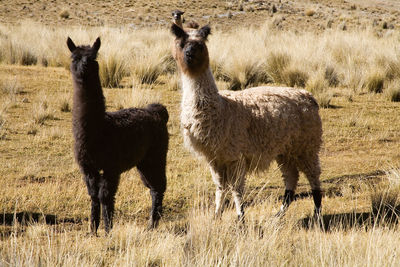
<point x="39" y="177"/>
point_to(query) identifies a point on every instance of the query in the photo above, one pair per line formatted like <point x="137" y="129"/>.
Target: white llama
<point x="238" y="132"/>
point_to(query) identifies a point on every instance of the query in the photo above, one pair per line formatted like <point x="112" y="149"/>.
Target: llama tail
<point x="160" y="110"/>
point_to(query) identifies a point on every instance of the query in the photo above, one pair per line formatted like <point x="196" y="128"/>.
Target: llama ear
<point x="178" y="32"/>
<point x="204" y="32"/>
<point x="96" y="45"/>
<point x="71" y="45"/>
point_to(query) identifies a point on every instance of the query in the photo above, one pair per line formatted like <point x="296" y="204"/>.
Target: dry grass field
<point x="354" y="74"/>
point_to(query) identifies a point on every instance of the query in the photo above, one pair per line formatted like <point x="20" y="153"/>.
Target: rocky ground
<point x="302" y="15"/>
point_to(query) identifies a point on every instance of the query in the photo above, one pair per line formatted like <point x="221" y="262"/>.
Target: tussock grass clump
<point x="139" y="96"/>
<point x="277" y="62"/>
<point x="324" y="99"/>
<point x="375" y="81"/>
<point x="293" y="76"/>
<point x="392" y="68"/>
<point x="42" y="113"/>
<point x="11" y="88"/>
<point x="18" y="52"/>
<point x="147" y="68"/>
<point x="392" y="92"/>
<point x="318" y="86"/>
<point x="149" y="62"/>
<point x="331" y="76"/>
<point x="385" y="199"/>
<point x="243" y="74"/>
<point x="111" y="70"/>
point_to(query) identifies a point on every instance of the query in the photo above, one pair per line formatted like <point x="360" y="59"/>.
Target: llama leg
<point x="311" y="168"/>
<point x="237" y="194"/>
<point x="107" y="190"/>
<point x="156" y="208"/>
<point x="237" y="173"/>
<point x="92" y="178"/>
<point x="220" y="197"/>
<point x="153" y="177"/>
<point x="221" y="189"/>
<point x="290" y="175"/>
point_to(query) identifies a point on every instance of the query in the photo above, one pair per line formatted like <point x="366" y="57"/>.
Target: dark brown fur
<point x="109" y="143"/>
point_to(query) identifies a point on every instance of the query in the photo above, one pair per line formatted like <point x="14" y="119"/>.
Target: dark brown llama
<point x="109" y="143"/>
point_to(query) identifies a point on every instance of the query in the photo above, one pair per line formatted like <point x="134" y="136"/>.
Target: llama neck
<point x="89" y="105"/>
<point x="202" y="108"/>
<point x="200" y="91"/>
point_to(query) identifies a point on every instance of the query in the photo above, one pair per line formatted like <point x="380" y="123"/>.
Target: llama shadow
<point x="369" y="176"/>
<point x="27" y="218"/>
<point x="346" y="221"/>
<point x="330" y="106"/>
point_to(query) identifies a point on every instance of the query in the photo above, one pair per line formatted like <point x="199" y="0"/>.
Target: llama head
<point x="83" y="57"/>
<point x="177" y="14"/>
<point x="190" y="50"/>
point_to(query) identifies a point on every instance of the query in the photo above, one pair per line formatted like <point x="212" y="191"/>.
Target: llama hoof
<point x="317" y="213"/>
<point x="281" y="212"/>
<point x="240" y="221"/>
<point x="217" y="216"/>
<point x="91" y="234"/>
<point x="152" y="225"/>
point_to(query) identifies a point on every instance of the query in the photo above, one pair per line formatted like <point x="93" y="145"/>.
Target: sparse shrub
<point x="293" y="76"/>
<point x="375" y="82"/>
<point x="276" y="65"/>
<point x="111" y="70"/>
<point x="392" y="92"/>
<point x="310" y="12"/>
